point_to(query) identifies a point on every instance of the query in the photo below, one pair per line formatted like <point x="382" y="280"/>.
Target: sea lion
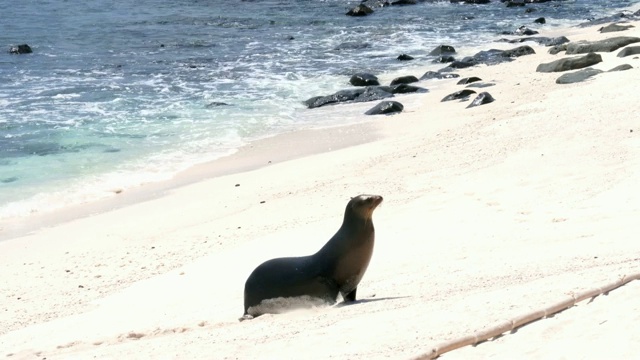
<point x="336" y="268"/>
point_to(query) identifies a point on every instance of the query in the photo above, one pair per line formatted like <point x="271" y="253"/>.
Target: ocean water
<point x="120" y="93"/>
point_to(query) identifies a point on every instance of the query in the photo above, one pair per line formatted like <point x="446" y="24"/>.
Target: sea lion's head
<point x="362" y="206"/>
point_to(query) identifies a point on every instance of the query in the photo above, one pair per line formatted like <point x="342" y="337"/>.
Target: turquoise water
<point x="120" y="93"/>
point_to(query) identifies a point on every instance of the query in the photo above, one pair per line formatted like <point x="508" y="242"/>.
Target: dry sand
<point x="489" y="213"/>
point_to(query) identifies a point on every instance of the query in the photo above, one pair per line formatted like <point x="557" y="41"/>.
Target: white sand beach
<point x="489" y="213"/>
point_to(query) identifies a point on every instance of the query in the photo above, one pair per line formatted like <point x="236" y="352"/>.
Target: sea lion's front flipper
<point x="351" y="296"/>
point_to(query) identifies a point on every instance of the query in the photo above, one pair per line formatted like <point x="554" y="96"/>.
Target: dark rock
<point x="471" y="1"/>
<point x="530" y="10"/>
<point x="405" y="89"/>
<point x="557" y="48"/>
<point x="606" y="45"/>
<point x="216" y="104"/>
<point x="572" y="63"/>
<point x="622" y="67"/>
<point x="442" y="50"/>
<point x="458" y="95"/>
<point x="437" y="75"/>
<point x="444" y="59"/>
<point x="481" y="99"/>
<point x="353" y="45"/>
<point x="364" y="79"/>
<point x="611" y="19"/>
<point x="631" y="50"/>
<point x="375" y="3"/>
<point x="519" y="51"/>
<point x="340" y="96"/>
<point x="523" y="30"/>
<point x="540" y="20"/>
<point x="404" y="2"/>
<point x="480" y="85"/>
<point x="464" y="63"/>
<point x="404" y="80"/>
<point x="614" y="28"/>
<point x="386" y="107"/>
<point x="372" y="93"/>
<point x="492" y="57"/>
<point x="404" y="57"/>
<point x="20" y="49"/>
<point x="577" y="76"/>
<point x="468" y="80"/>
<point x="9" y="180"/>
<point x="360" y="10"/>
<point x="542" y="40"/>
<point x="515" y="3"/>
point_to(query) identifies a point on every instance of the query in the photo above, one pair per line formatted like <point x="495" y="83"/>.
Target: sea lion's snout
<point x="377" y="200"/>
<point x="366" y="204"/>
<point x="372" y="200"/>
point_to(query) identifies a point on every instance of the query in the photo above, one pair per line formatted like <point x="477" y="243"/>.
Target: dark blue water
<point x="118" y="93"/>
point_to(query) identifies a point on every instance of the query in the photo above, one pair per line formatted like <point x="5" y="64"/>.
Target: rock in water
<point x="385" y="107"/>
<point x="364" y="79"/>
<point x="20" y="49"/>
<point x="360" y="10"/>
<point x="443" y="50"/>
<point x="404" y="80"/>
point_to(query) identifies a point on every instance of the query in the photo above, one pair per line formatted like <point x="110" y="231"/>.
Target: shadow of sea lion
<point x="364" y="301"/>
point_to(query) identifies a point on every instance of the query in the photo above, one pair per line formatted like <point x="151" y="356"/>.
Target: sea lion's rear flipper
<point x="245" y="317"/>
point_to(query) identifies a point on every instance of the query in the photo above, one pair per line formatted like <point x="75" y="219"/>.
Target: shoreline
<point x="253" y="156"/>
<point x="487" y="211"/>
<point x="248" y="156"/>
